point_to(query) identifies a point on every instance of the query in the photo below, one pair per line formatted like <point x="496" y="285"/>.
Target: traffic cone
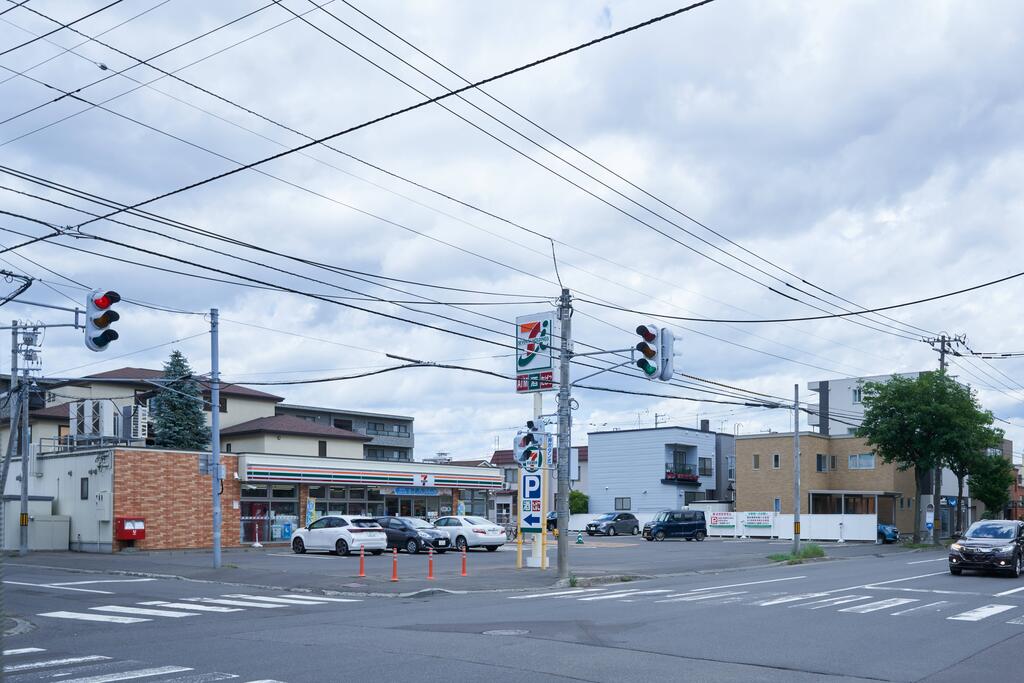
<point x="430" y="565"/>
<point x="362" y="562"/>
<point x="394" y="564"/>
<point x="464" y="562"/>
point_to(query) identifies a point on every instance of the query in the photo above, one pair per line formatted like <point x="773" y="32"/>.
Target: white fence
<point x="777" y="525"/>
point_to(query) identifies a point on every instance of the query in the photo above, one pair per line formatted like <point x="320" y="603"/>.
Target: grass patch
<point x="807" y="551"/>
<point x="573" y="581"/>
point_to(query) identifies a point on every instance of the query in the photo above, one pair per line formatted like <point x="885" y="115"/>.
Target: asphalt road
<point x="898" y="617"/>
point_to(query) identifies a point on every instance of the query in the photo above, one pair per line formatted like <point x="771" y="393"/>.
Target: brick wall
<point x="166" y="489"/>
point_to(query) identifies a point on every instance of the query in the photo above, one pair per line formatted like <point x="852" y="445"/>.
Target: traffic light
<point x="99" y="314"/>
<point x="526" y="449"/>
<point x="656" y="348"/>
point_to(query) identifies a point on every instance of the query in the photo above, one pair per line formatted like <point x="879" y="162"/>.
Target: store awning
<point x="305" y="470"/>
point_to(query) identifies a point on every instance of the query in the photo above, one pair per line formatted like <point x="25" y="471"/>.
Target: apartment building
<point x="390" y="437"/>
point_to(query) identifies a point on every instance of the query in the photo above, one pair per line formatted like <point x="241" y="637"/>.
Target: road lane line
<point x="694" y="597"/>
<point x="923" y="590"/>
<point x="129" y="675"/>
<point x="23" y="651"/>
<point x="234" y="603"/>
<point x="879" y="605"/>
<point x="934" y="559"/>
<point x="609" y="596"/>
<point x="831" y="602"/>
<point x="28" y="666"/>
<point x="321" y="598"/>
<point x="193" y="606"/>
<point x="277" y="601"/>
<point x="906" y="578"/>
<point x="58" y="588"/>
<point x="85" y="616"/>
<point x="981" y="613"/>
<point x="82" y="583"/>
<point x="789" y="598"/>
<point x="1012" y="590"/>
<point x="575" y="591"/>
<point x="748" y="583"/>
<point x="930" y="604"/>
<point x="142" y="612"/>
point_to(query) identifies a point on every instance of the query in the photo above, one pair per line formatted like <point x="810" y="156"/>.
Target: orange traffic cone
<point x="430" y="565"/>
<point x="464" y="562"/>
<point x="394" y="564"/>
<point x="362" y="562"/>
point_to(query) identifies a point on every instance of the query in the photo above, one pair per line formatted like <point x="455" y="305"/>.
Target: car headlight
<point x="425" y="534"/>
<point x="1006" y="548"/>
<point x="956" y="546"/>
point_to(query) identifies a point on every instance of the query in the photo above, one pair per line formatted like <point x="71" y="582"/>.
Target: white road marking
<point x="981" y="613"/>
<point x="1009" y="592"/>
<point x="789" y="598"/>
<point x="934" y="559"/>
<point x="322" y="598"/>
<point x="748" y="583"/>
<point x="28" y="666"/>
<point x="914" y="609"/>
<point x="58" y="588"/>
<point x="575" y="591"/>
<point x="142" y="612"/>
<point x="23" y="651"/>
<point x="923" y="590"/>
<point x="82" y="583"/>
<point x="621" y="594"/>
<point x="278" y="601"/>
<point x="878" y="605"/>
<point x="195" y="607"/>
<point x="832" y="602"/>
<point x="265" y="680"/>
<point x="130" y="675"/>
<point x="906" y="578"/>
<point x="234" y="603"/>
<point x="694" y="597"/>
<point x="84" y="616"/>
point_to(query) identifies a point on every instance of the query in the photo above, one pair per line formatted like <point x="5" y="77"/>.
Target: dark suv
<point x="688" y="524"/>
<point x="995" y="544"/>
<point x="412" y="534"/>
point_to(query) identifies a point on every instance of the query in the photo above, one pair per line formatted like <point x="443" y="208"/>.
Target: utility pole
<point x="937" y="487"/>
<point x="564" y="434"/>
<point x="796" y="469"/>
<point x="25" y="446"/>
<point x="215" y="430"/>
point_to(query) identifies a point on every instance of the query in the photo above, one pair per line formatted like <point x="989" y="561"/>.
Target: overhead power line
<point x="59" y="28"/>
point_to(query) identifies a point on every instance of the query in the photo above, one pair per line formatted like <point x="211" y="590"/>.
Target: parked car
<point x="888" y="533"/>
<point x="471" y="532"/>
<point x="613" y="523"/>
<point x="341" y="534"/>
<point x="413" y="534"/>
<point x="688" y="524"/>
<point x="994" y="544"/>
<point x="552" y="522"/>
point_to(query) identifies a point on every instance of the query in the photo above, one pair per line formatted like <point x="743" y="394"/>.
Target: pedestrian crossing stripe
<point x="878" y="605"/>
<point x="144" y="612"/>
<point x="49" y="663"/>
<point x="981" y="613"/>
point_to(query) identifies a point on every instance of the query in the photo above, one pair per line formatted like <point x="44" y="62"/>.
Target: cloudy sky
<point x="867" y="150"/>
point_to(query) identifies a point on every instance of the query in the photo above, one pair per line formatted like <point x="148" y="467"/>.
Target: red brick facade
<point x="166" y="489"/>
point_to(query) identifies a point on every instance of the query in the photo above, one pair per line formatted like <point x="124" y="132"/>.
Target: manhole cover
<point x="507" y="632"/>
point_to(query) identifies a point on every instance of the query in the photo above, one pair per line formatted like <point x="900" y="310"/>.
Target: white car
<point x="341" y="534"/>
<point x="472" y="532"/>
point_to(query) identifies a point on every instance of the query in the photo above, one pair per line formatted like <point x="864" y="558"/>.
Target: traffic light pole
<point x="564" y="433"/>
<point x="215" y="430"/>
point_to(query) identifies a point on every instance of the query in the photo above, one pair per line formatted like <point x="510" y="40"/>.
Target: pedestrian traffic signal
<point x="656" y="348"/>
<point x="99" y="315"/>
<point x="526" y="449"/>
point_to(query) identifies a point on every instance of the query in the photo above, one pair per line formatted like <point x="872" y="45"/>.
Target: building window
<point x="343" y="424"/>
<point x="857" y="395"/>
<point x="862" y="461"/>
<point x="227" y="448"/>
<point x="832" y="463"/>
<point x="321" y="448"/>
<point x="709" y="494"/>
<point x="901" y="502"/>
<point x="623" y="503"/>
<point x="704" y="467"/>
<point x="692" y="497"/>
<point x="822" y="465"/>
<point x="382" y="429"/>
<point x="776" y="461"/>
<point x="778" y="505"/>
<point x="510" y="477"/>
<point x="757" y="461"/>
<point x="84" y="488"/>
<point x="223" y="402"/>
<point x="308" y="418"/>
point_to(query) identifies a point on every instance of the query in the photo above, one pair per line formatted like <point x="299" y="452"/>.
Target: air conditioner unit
<point x="135" y="422"/>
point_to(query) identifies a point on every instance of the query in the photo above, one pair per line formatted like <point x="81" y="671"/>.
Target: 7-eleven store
<point x="280" y="493"/>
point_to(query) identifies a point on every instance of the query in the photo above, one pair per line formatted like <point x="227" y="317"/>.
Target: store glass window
<point x="338" y="493"/>
<point x="317" y="491"/>
<point x="358" y="508"/>
<point x="284" y="491"/>
<point x="357" y="494"/>
<point x="254" y="490"/>
<point x="374" y="494"/>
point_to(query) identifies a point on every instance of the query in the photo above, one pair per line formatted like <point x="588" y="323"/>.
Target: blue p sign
<point x="531" y="486"/>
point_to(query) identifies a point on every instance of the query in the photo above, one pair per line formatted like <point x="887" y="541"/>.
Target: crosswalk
<point x="151" y="610"/>
<point x="842" y="602"/>
<point x="28" y="664"/>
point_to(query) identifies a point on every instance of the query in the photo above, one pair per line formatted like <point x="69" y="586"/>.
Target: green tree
<point x="990" y="483"/>
<point x="579" y="503"/>
<point x="178" y="408"/>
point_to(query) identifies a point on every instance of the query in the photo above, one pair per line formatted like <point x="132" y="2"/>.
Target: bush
<point x="807" y="552"/>
<point x="579" y="503"/>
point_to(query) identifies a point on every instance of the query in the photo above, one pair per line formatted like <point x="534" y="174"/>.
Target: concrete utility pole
<point x="937" y="486"/>
<point x="564" y="434"/>
<point x="796" y="469"/>
<point x="25" y="447"/>
<point x="215" y="430"/>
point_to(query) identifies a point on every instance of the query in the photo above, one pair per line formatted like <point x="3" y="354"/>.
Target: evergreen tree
<point x="178" y="408"/>
<point x="991" y="479"/>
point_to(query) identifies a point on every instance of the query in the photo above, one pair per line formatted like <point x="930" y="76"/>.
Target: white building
<point x="840" y="410"/>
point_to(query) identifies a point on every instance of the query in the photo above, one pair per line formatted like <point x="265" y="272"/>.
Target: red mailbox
<point x="129" y="528"/>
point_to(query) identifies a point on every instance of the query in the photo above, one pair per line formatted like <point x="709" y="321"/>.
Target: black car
<point x="612" y="523"/>
<point x="688" y="524"/>
<point x="413" y="534"/>
<point x="993" y="544"/>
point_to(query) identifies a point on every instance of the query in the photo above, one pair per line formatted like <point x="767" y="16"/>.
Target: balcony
<point x="681" y="476"/>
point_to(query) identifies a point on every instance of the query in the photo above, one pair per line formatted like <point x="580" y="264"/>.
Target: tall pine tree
<point x="178" y="408"/>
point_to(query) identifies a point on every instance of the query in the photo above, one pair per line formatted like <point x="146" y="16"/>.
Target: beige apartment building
<point x="838" y="475"/>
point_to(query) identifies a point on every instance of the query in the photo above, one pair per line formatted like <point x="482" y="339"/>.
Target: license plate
<point x="442" y="542"/>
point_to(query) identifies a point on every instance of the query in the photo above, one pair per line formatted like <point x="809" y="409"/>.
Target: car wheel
<point x="880" y="540"/>
<point x="298" y="547"/>
<point x="659" y="536"/>
<point x="491" y="548"/>
<point x="590" y="533"/>
<point x="635" y="531"/>
<point x="376" y="552"/>
<point x="341" y="547"/>
<point x="700" y="536"/>
<point x="460" y="543"/>
<point x="956" y="571"/>
<point x="612" y="531"/>
<point x="1015" y="572"/>
<point x="440" y="552"/>
<point x="412" y="546"/>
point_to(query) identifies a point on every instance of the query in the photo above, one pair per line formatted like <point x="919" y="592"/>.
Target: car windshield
<point x="365" y="523"/>
<point x="417" y="523"/>
<point x="477" y="520"/>
<point x="605" y="517"/>
<point x="662" y="516"/>
<point x="990" y="530"/>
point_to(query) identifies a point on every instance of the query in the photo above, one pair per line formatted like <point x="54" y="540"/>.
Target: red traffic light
<point x="106" y="300"/>
<point x="647" y="333"/>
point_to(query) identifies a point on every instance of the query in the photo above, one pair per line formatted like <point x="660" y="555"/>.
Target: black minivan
<point x="688" y="524"/>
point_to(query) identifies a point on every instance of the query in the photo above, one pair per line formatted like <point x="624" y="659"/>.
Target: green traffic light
<point x="649" y="368"/>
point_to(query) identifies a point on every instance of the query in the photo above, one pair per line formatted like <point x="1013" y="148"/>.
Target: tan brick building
<point x="838" y="474"/>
